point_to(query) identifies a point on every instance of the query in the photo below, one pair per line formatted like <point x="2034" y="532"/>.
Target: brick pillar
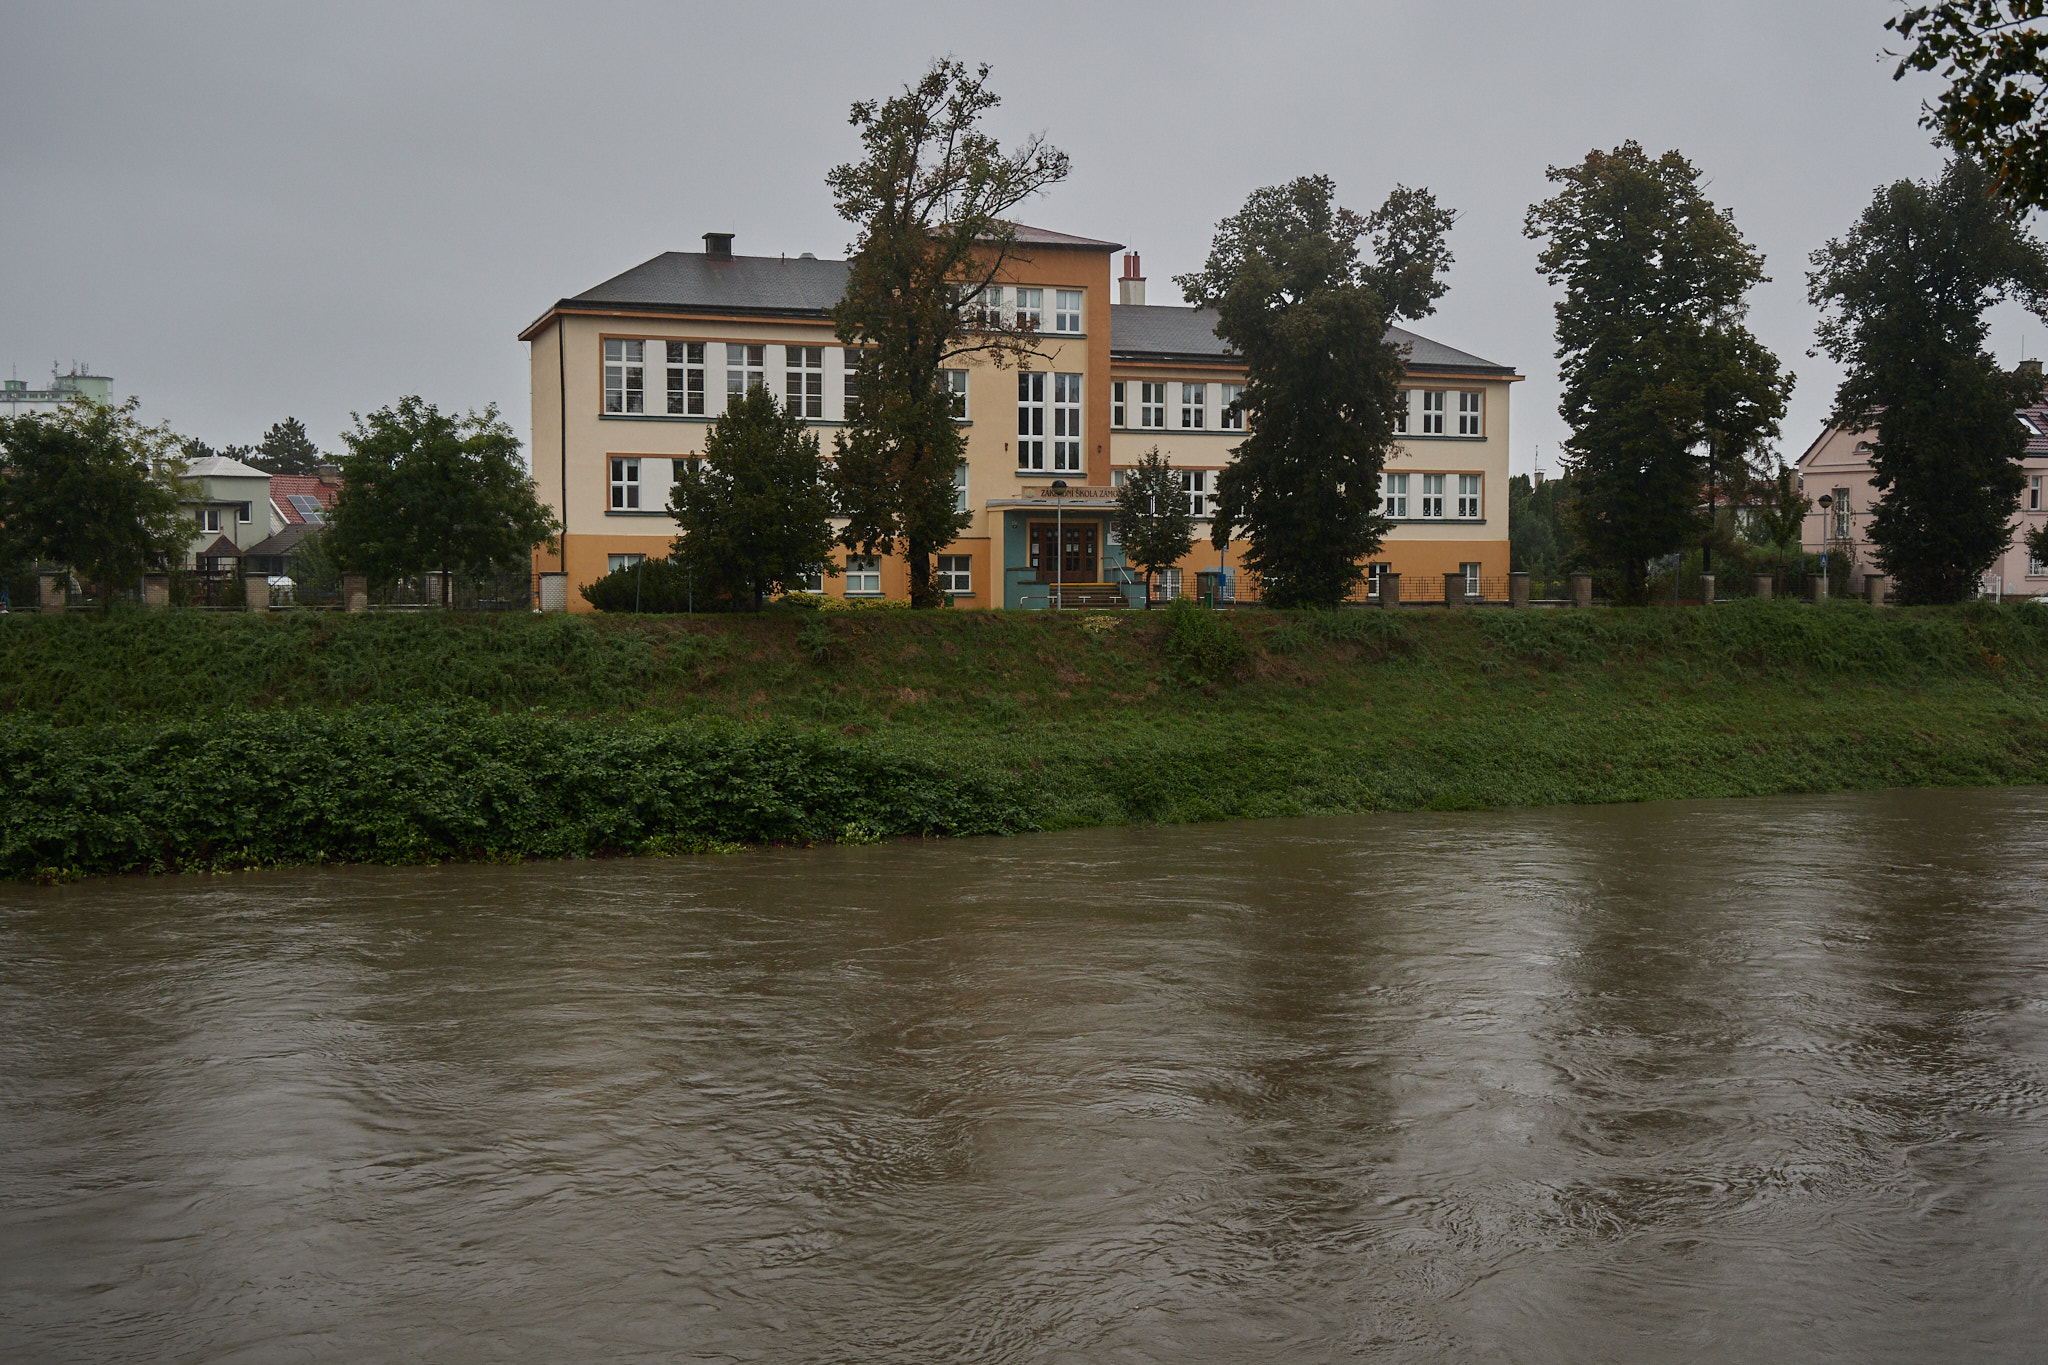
<point x="355" y="592"/>
<point x="1761" y="586"/>
<point x="1390" y="590"/>
<point x="50" y="597"/>
<point x="1454" y="588"/>
<point x="1706" y="590"/>
<point x="156" y="590"/>
<point x="1518" y="589"/>
<point x="1874" y="585"/>
<point x="256" y="591"/>
<point x="1582" y="590"/>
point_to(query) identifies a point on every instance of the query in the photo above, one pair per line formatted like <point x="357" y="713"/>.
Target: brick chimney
<point x="1131" y="288"/>
<point x="718" y="245"/>
<point x="2030" y="367"/>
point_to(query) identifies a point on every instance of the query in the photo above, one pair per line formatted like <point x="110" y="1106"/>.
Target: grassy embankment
<point x="194" y="741"/>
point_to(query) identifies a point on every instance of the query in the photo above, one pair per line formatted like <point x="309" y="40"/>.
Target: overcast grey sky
<point x="247" y="211"/>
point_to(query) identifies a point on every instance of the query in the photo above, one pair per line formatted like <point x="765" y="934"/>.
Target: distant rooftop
<point x="1153" y="331"/>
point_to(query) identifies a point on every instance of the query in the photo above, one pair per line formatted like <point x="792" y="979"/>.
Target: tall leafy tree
<point x="928" y="198"/>
<point x="1667" y="393"/>
<point x="287" y="449"/>
<point x="1153" y="519"/>
<point x="90" y="488"/>
<point x="1540" y="542"/>
<point x="1309" y="314"/>
<point x="1994" y="55"/>
<point x="755" y="515"/>
<point x="1781" y="513"/>
<point x="427" y="490"/>
<point x="1905" y="292"/>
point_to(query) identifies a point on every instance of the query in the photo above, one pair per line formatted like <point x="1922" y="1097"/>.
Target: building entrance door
<point x="1076" y="561"/>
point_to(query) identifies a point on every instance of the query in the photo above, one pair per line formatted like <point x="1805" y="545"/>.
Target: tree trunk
<point x="923" y="593"/>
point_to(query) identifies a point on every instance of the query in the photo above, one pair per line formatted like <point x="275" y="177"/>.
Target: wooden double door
<point x="1068" y="553"/>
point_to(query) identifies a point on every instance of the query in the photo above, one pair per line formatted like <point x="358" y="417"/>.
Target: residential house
<point x="627" y="377"/>
<point x="1837" y="466"/>
<point x="299" y="504"/>
<point x="231" y="512"/>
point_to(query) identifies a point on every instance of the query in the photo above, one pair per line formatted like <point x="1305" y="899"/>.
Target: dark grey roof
<point x="776" y="285"/>
<point x="1161" y="331"/>
<point x="1034" y="236"/>
<point x="283" y="543"/>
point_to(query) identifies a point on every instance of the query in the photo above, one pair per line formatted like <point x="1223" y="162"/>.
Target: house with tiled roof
<point x="628" y="375"/>
<point x="299" y="504"/>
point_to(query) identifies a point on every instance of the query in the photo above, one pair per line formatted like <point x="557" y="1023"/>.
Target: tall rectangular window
<point x="804" y="370"/>
<point x="625" y="483"/>
<point x="1394" y="496"/>
<point x="1066" y="423"/>
<point x="1195" y="483"/>
<point x="1432" y="496"/>
<point x="960" y="487"/>
<point x="624" y="367"/>
<point x="1152" y="406"/>
<point x="1471" y="572"/>
<point x="983" y="307"/>
<point x="850" y="381"/>
<point x="1030" y="420"/>
<point x="1030" y="307"/>
<point x="1166" y="585"/>
<point x="1230" y="417"/>
<point x="746" y="367"/>
<point x="1193" y="410"/>
<point x="2034" y="493"/>
<point x="1375" y="580"/>
<point x="1116" y="404"/>
<point x="956" y="574"/>
<point x="863" y="575"/>
<point x="956" y="385"/>
<point x="686" y="378"/>
<point x="1066" y="310"/>
<point x="1841" y="514"/>
<point x="1470" y="409"/>
<point x="1433" y="412"/>
<point x="1402" y="401"/>
<point x="1468" y="496"/>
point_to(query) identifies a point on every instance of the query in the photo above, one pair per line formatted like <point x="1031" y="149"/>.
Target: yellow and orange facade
<point x="627" y="378"/>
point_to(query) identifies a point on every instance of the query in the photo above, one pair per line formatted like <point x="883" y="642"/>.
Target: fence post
<point x="1582" y="590"/>
<point x="1454" y="587"/>
<point x="1760" y="584"/>
<point x="1518" y="589"/>
<point x="1706" y="590"/>
<point x="1390" y="590"/>
<point x="355" y="592"/>
<point x="1874" y="585"/>
<point x="51" y="589"/>
<point x="156" y="590"/>
<point x="1817" y="587"/>
<point x="256" y="591"/>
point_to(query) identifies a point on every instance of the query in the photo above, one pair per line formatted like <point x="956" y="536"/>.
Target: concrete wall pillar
<point x="1706" y="590"/>
<point x="1761" y="586"/>
<point x="1454" y="588"/>
<point x="1518" y="589"/>
<point x="355" y="592"/>
<point x="256" y="591"/>
<point x="1817" y="587"/>
<point x="1390" y="590"/>
<point x="156" y="590"/>
<point x="51" y="588"/>
<point x="1582" y="590"/>
<point x="1874" y="585"/>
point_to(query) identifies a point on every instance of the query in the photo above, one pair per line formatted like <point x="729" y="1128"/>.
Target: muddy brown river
<point x="1743" y="1080"/>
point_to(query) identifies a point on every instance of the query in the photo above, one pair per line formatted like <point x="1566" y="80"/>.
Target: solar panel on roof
<point x="307" y="506"/>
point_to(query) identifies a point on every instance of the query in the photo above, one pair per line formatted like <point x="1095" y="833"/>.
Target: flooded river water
<point x="1760" y="1080"/>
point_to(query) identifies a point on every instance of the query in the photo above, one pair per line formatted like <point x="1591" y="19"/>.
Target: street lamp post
<point x="1825" y="501"/>
<point x="1059" y="541"/>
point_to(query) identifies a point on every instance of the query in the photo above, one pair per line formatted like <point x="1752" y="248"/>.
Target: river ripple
<point x="1700" y="1081"/>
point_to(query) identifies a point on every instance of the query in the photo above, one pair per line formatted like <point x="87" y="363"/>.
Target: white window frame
<point x="1471" y="412"/>
<point x="1066" y="311"/>
<point x="745" y="366"/>
<point x="960" y="487"/>
<point x="685" y="378"/>
<point x="2034" y="492"/>
<point x="1394" y="496"/>
<point x="1402" y="404"/>
<point x="208" y="518"/>
<point x="1227" y="420"/>
<point x="863" y="576"/>
<point x="1029" y="308"/>
<point x="614" y="563"/>
<point x="1030" y="421"/>
<point x="625" y="483"/>
<point x="1376" y="579"/>
<point x="1433" y="411"/>
<point x="1432" y="500"/>
<point x="1116" y="403"/>
<point x="803" y="384"/>
<point x="956" y="385"/>
<point x="956" y="575"/>
<point x="1838" y="516"/>
<point x="625" y="376"/>
<point x="1066" y="423"/>
<point x="1195" y="483"/>
<point x="1152" y="406"/>
<point x="1468" y="497"/>
<point x="1194" y="407"/>
<point x="849" y="381"/>
<point x="1471" y="572"/>
<point x="1166" y="584"/>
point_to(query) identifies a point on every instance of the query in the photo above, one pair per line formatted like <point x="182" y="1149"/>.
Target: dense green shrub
<point x="1200" y="645"/>
<point x="657" y="586"/>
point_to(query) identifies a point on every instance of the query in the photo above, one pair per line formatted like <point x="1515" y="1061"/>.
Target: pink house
<point x="1838" y="466"/>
